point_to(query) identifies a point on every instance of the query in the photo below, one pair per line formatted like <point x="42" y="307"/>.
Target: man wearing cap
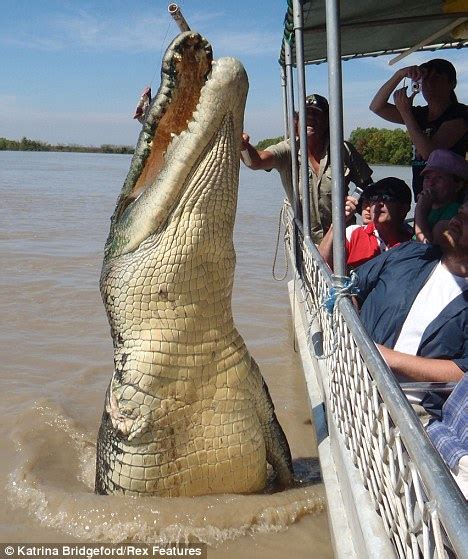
<point x="414" y="304"/>
<point x="390" y="201"/>
<point x="443" y="190"/>
<point x="442" y="123"/>
<point x="278" y="157"/>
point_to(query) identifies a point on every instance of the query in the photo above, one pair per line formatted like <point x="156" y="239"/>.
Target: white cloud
<point x="141" y="33"/>
<point x="45" y="44"/>
<point x="7" y="102"/>
<point x="88" y="31"/>
<point x="245" y="43"/>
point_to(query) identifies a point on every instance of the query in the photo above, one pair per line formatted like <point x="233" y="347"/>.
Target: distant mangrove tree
<point x="376" y="145"/>
<point x="381" y="145"/>
<point x="25" y="144"/>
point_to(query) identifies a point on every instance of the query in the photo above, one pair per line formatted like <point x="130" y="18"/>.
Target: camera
<point x="357" y="193"/>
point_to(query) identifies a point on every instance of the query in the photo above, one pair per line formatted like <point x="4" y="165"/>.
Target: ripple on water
<point x="54" y="481"/>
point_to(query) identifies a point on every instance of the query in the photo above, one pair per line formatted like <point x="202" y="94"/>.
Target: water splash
<point x="54" y="481"/>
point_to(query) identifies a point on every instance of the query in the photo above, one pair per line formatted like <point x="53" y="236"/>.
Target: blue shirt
<point x="389" y="284"/>
<point x="450" y="436"/>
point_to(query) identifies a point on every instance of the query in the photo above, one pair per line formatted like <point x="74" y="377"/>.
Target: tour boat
<point x="389" y="492"/>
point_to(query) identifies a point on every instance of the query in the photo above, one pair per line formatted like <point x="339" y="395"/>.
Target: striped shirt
<point x="450" y="436"/>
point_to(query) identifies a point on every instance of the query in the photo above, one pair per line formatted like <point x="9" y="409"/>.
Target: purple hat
<point x="448" y="162"/>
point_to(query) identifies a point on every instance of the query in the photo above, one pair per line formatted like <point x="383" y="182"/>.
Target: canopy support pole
<point x="336" y="135"/>
<point x="296" y="202"/>
<point x="300" y="66"/>
<point x="284" y="96"/>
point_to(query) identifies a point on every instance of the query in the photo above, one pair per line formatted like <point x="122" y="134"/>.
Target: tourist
<point x="442" y="193"/>
<point x="414" y="304"/>
<point x="442" y="123"/>
<point x="363" y="207"/>
<point x="450" y="434"/>
<point x="278" y="157"/>
<point x="390" y="201"/>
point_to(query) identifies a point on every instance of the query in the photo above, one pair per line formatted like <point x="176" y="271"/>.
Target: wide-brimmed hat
<point x="396" y="188"/>
<point x="316" y="101"/>
<point x="448" y="162"/>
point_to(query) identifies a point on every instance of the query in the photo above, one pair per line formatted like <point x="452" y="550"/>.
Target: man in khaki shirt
<point x="278" y="157"/>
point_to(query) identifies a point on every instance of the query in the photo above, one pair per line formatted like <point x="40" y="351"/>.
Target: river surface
<point x="57" y="361"/>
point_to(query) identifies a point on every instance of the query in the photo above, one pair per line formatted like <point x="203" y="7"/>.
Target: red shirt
<point x="363" y="242"/>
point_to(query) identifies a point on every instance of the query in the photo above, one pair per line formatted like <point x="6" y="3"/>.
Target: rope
<point x="158" y="67"/>
<point x="342" y="286"/>
<point x="273" y="271"/>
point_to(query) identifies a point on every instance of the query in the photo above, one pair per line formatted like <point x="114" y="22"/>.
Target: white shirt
<point x="440" y="289"/>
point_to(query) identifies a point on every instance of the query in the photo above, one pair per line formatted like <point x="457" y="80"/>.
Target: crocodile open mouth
<point x="191" y="129"/>
<point x="185" y="69"/>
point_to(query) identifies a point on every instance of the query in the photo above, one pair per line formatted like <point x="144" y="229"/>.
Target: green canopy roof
<point x="376" y="27"/>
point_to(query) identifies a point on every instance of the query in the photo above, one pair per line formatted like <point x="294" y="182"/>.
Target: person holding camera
<point x="389" y="200"/>
<point x="441" y="124"/>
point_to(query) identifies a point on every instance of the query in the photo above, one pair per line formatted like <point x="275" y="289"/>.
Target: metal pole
<point x="296" y="201"/>
<point x="175" y="12"/>
<point x="291" y="125"/>
<point x="284" y="94"/>
<point x="336" y="134"/>
<point x="299" y="41"/>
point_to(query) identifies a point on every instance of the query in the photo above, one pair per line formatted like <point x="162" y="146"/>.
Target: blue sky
<point x="72" y="71"/>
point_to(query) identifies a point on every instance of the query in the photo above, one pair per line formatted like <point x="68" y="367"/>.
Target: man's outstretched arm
<point x="421" y="369"/>
<point x="257" y="159"/>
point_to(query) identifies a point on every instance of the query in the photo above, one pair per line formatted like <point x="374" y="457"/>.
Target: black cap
<point x="441" y="66"/>
<point x="391" y="186"/>
<point x="316" y="101"/>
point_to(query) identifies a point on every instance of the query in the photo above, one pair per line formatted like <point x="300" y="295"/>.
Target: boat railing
<point x="421" y="508"/>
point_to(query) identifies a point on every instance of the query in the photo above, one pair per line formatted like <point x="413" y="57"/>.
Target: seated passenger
<point x="278" y="157"/>
<point x="441" y="195"/>
<point x="363" y="207"/>
<point x="415" y="305"/>
<point x="390" y="201"/>
<point x="450" y="435"/>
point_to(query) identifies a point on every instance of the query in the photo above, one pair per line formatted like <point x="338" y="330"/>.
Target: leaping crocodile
<point x="187" y="411"/>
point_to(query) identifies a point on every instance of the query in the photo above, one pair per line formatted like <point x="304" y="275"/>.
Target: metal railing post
<point x="336" y="134"/>
<point x="304" y="168"/>
<point x="291" y="125"/>
<point x="296" y="201"/>
<point x="284" y="97"/>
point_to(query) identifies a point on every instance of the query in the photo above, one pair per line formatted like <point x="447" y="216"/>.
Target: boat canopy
<point x="370" y="28"/>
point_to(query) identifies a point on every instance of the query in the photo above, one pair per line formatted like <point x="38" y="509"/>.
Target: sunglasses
<point x="381" y="198"/>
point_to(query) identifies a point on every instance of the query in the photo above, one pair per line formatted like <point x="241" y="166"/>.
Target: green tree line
<point x="381" y="145"/>
<point x="376" y="145"/>
<point x="25" y="144"/>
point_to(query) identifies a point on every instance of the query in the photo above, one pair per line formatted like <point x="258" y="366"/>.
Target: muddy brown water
<point x="57" y="361"/>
